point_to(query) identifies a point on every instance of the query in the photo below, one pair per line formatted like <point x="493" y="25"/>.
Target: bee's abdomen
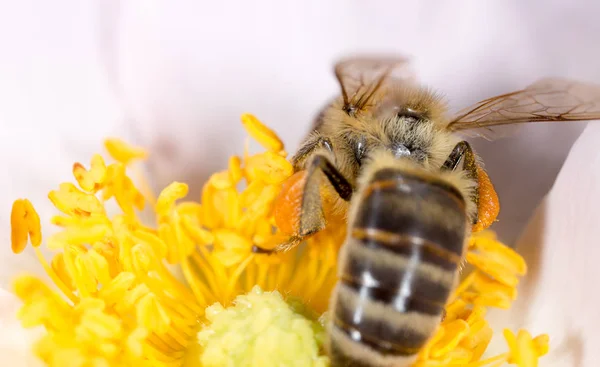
<point x="397" y="269"/>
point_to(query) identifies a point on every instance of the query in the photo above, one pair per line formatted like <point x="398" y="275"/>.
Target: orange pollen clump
<point x="489" y="206"/>
<point x="288" y="204"/>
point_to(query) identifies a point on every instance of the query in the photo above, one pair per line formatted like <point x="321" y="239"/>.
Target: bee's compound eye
<point x="359" y="149"/>
<point x="410" y="114"/>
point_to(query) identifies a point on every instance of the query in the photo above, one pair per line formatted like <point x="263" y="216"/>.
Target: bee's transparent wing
<point x="549" y="99"/>
<point x="361" y="77"/>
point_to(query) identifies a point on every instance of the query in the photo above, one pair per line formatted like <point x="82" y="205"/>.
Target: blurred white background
<point x="174" y="76"/>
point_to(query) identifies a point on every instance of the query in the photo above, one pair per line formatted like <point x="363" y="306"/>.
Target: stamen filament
<point x="208" y="270"/>
<point x="233" y="278"/>
<point x="144" y="186"/>
<point x="200" y="290"/>
<point x="55" y="277"/>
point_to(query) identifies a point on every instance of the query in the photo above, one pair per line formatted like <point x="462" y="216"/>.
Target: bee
<point x="387" y="156"/>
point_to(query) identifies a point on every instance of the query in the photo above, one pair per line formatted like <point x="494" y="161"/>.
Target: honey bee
<point x="412" y="191"/>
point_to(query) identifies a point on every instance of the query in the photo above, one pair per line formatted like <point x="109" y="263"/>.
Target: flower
<point x="116" y="303"/>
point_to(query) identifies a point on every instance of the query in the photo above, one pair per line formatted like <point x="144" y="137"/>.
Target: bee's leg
<point x="462" y="152"/>
<point x="314" y="142"/>
<point x="312" y="217"/>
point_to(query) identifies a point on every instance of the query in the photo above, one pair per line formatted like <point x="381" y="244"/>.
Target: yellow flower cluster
<point x="118" y="304"/>
<point x="121" y="305"/>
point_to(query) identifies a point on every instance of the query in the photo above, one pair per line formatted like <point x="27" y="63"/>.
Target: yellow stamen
<point x="25" y="223"/>
<point x="72" y="201"/>
<point x="123" y="152"/>
<point x="55" y="278"/>
<point x="92" y="180"/>
<point x="167" y="198"/>
<point x="235" y="169"/>
<point x="524" y="351"/>
<point x="265" y="136"/>
<point x="269" y="167"/>
<point x="453" y="334"/>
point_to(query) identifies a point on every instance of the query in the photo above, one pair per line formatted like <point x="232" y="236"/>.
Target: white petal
<point x="561" y="244"/>
<point x="55" y="108"/>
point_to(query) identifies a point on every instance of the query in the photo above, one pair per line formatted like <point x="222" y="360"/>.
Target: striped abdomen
<point x="397" y="269"/>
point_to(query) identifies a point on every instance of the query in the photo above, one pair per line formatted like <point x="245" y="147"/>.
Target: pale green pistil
<point x="260" y="329"/>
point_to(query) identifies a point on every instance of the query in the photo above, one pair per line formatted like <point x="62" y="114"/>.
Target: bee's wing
<point x="361" y="77"/>
<point x="549" y="99"/>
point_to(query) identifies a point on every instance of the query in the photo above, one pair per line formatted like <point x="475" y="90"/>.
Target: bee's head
<point x="407" y="122"/>
<point x="405" y="134"/>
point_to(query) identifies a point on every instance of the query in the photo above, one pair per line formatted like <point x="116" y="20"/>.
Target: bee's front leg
<point x="312" y="216"/>
<point x="463" y="150"/>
